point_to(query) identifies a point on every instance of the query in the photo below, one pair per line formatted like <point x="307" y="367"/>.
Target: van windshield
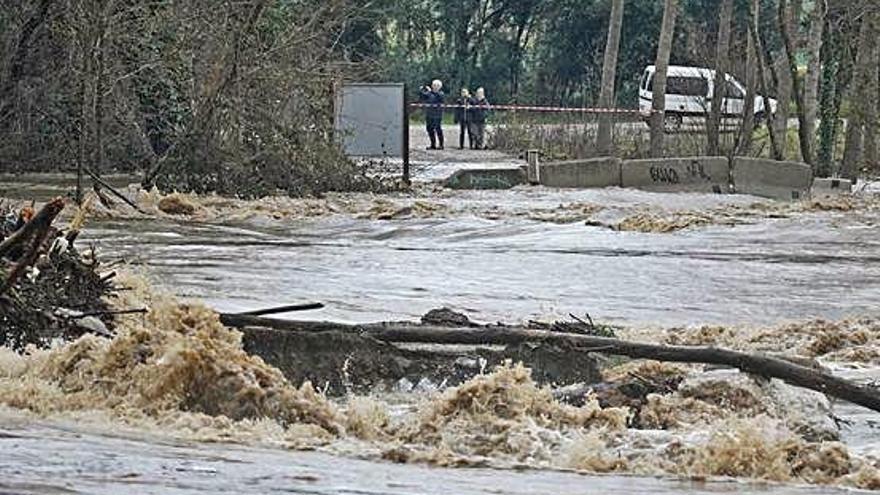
<point x="687" y="86"/>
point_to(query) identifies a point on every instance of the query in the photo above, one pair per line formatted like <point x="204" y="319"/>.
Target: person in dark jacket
<point x="478" y="113"/>
<point x="462" y="108"/>
<point x="434" y="96"/>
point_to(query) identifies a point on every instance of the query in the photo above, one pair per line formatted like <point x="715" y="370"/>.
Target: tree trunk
<point x="609" y="76"/>
<point x="828" y="99"/>
<point x="789" y="40"/>
<point x="664" y="50"/>
<point x="99" y="55"/>
<point x="873" y="110"/>
<point x="786" y="15"/>
<point x="722" y="60"/>
<point x="811" y="80"/>
<point x="754" y="14"/>
<point x="744" y="144"/>
<point x="852" y="152"/>
<point x="19" y="60"/>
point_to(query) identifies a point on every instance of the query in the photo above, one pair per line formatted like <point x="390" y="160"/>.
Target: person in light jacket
<point x="478" y="113"/>
<point x="462" y="109"/>
<point x="434" y="97"/>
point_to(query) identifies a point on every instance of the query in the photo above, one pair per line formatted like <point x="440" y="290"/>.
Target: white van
<point x="689" y="92"/>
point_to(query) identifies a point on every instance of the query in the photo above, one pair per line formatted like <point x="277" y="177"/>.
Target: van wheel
<point x="672" y="122"/>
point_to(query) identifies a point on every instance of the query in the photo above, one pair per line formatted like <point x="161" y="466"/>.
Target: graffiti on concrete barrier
<point x="670" y="175"/>
<point x="480" y="180"/>
<point x="696" y="169"/>
<point x="664" y="175"/>
<point x="494" y="181"/>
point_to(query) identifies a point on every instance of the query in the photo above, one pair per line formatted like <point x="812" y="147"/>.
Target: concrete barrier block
<point x="533" y="158"/>
<point x="487" y="178"/>
<point x="696" y="174"/>
<point x="595" y="172"/>
<point x="831" y="187"/>
<point x="771" y="179"/>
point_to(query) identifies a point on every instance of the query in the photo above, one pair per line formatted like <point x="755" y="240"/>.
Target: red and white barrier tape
<point x="532" y="108"/>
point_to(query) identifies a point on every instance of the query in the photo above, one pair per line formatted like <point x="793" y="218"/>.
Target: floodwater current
<point x="508" y="267"/>
<point x="511" y="269"/>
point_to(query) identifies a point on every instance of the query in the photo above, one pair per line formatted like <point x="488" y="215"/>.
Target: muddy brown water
<point x="515" y="269"/>
<point x="508" y="269"/>
<point x="83" y="461"/>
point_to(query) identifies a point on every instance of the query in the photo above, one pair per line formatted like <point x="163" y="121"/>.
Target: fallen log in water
<point x="240" y="320"/>
<point x="290" y="308"/>
<point x="757" y="364"/>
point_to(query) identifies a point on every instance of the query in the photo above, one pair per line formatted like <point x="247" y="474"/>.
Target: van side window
<point x="649" y="81"/>
<point x="687" y="86"/>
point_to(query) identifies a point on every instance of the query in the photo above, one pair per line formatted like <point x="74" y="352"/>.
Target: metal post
<point x="406" y="178"/>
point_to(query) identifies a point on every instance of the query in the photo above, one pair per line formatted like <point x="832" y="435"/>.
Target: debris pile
<point x="47" y="288"/>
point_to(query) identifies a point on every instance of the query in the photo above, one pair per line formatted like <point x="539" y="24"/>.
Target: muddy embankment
<point x="340" y="362"/>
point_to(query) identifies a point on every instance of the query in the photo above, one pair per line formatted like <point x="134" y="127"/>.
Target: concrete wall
<point x="696" y="174"/>
<point x="771" y="179"/>
<point x="831" y="187"/>
<point x="595" y="172"/>
<point x="488" y="178"/>
<point x="760" y="177"/>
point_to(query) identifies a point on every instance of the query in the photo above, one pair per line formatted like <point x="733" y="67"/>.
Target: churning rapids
<point x="636" y="259"/>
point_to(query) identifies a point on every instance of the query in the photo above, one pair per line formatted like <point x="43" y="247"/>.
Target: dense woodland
<point x="207" y="95"/>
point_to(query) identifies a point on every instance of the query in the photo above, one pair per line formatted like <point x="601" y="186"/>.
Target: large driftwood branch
<point x="38" y="229"/>
<point x="43" y="218"/>
<point x="758" y="364"/>
<point x="101" y="182"/>
<point x="283" y="309"/>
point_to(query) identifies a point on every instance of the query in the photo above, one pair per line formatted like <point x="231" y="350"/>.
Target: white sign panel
<point x="370" y="119"/>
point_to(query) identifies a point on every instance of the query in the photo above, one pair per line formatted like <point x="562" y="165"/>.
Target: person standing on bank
<point x="479" y="112"/>
<point x="434" y="97"/>
<point x="462" y="109"/>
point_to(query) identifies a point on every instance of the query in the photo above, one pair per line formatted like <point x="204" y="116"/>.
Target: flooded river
<point x="515" y="268"/>
<point x="507" y="266"/>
